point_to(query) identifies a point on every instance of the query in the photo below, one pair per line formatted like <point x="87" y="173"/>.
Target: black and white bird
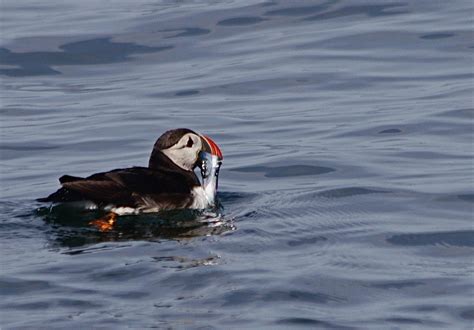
<point x="169" y="181"/>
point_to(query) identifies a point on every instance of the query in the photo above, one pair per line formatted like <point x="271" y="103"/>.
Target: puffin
<point x="169" y="182"/>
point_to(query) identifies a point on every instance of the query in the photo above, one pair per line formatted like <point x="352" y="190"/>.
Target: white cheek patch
<point x="183" y="156"/>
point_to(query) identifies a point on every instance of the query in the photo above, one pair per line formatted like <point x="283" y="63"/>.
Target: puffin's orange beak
<point x="211" y="147"/>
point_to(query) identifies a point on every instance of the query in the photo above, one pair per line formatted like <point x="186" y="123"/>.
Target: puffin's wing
<point x="100" y="191"/>
<point x="119" y="187"/>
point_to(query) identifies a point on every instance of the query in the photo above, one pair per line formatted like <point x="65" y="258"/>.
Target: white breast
<point x="201" y="199"/>
<point x="123" y="210"/>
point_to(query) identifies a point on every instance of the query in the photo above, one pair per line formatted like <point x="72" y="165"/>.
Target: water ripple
<point x="346" y="191"/>
<point x="455" y="238"/>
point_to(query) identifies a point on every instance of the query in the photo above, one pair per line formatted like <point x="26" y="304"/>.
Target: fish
<point x="210" y="165"/>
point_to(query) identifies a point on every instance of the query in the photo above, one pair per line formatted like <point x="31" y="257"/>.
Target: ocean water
<point x="347" y="185"/>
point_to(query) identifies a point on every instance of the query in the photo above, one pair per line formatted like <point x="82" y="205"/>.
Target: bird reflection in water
<point x="71" y="228"/>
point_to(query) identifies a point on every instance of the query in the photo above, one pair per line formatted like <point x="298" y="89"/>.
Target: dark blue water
<point x="347" y="186"/>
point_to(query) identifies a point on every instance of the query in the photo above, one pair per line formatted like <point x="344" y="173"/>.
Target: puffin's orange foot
<point x="106" y="223"/>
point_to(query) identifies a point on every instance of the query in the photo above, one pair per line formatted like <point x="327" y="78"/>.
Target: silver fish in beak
<point x="210" y="161"/>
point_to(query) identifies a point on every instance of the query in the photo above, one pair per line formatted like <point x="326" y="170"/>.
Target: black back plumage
<point x="165" y="181"/>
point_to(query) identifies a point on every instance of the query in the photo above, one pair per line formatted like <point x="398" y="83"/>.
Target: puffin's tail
<point x="63" y="194"/>
<point x="43" y="199"/>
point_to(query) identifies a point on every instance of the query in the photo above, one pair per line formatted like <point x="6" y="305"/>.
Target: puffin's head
<point x="184" y="147"/>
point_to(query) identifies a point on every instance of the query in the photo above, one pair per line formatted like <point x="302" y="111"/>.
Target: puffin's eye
<point x="190" y="143"/>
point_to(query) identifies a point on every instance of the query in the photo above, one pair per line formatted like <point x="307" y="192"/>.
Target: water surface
<point x="346" y="190"/>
